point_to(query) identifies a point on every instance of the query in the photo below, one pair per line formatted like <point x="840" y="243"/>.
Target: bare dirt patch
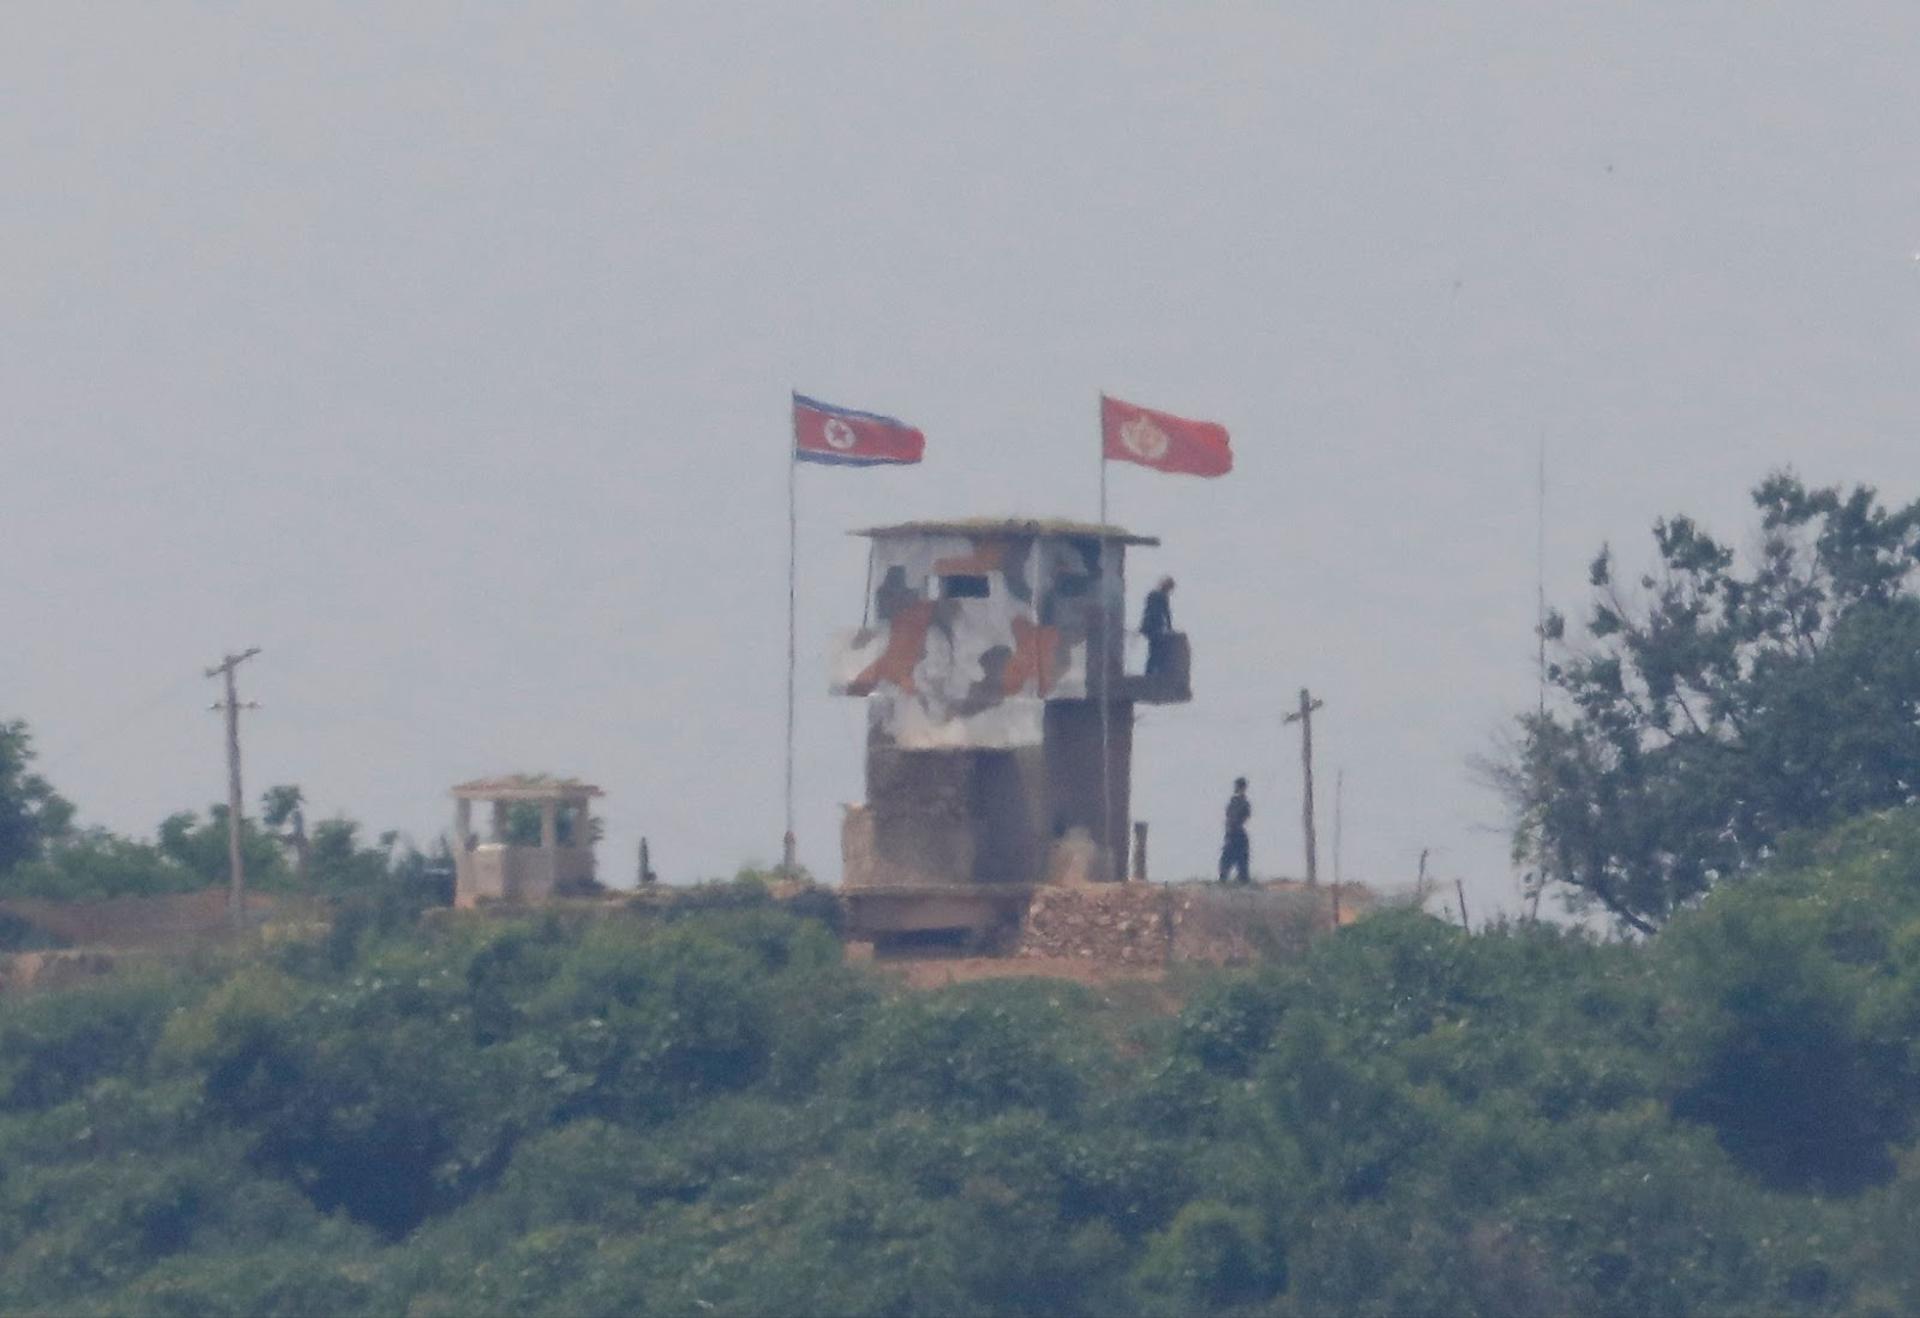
<point x="939" y="971"/>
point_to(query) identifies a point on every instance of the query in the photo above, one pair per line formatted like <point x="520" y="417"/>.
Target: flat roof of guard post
<point x="525" y="787"/>
<point x="1010" y="526"/>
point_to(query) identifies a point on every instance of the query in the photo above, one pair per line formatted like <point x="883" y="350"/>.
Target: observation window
<point x="965" y="587"/>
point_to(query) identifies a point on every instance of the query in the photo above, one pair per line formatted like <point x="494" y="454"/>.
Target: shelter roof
<point x="525" y="787"/>
<point x="1011" y="526"/>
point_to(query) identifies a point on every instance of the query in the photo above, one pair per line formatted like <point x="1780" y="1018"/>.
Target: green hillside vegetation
<point x="710" y="1113"/>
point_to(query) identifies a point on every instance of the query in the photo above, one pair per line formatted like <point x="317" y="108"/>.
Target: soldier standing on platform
<point x="1156" y="624"/>
<point x="1236" y="853"/>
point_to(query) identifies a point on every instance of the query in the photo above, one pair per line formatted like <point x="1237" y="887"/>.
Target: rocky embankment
<point x="1153" y="923"/>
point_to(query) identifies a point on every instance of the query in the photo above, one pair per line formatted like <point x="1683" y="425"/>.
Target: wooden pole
<point x="236" y="863"/>
<point x="236" y="803"/>
<point x="1304" y="717"/>
<point x="1339" y="810"/>
<point x="1306" y="768"/>
<point x="1460" y="891"/>
<point x="1339" y="803"/>
<point x="1140" y="851"/>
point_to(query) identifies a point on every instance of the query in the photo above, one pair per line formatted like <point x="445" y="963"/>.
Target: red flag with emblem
<point x="1162" y="441"/>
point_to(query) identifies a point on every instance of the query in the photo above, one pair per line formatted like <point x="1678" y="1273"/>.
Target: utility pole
<point x="1339" y="804"/>
<point x="236" y="868"/>
<point x="1304" y="717"/>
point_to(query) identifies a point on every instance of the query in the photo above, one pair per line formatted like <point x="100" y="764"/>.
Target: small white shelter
<point x="501" y="869"/>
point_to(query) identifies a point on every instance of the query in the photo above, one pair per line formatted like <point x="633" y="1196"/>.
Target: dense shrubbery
<point x="709" y="1113"/>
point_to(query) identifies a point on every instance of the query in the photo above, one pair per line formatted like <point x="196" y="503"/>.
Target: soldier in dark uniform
<point x="1156" y="624"/>
<point x="1237" y="852"/>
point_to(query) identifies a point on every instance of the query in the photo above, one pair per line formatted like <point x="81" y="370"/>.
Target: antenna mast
<point x="1540" y="571"/>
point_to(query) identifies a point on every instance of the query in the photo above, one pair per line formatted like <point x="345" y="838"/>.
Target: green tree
<point x="523" y="820"/>
<point x="1795" y="1000"/>
<point x="200" y="847"/>
<point x="339" y="864"/>
<point x="1723" y="705"/>
<point x="1212" y="1256"/>
<point x="91" y="864"/>
<point x="32" y="814"/>
<point x="284" y="808"/>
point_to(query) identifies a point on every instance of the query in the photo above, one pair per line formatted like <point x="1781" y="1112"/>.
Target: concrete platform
<point x="974" y="909"/>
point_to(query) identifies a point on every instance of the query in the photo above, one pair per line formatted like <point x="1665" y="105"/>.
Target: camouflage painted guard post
<point x="987" y="649"/>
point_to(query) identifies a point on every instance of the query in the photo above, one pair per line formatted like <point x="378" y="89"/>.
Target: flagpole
<point x="1106" y="664"/>
<point x="793" y="594"/>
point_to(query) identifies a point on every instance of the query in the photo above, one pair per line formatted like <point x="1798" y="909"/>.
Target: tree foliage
<point x="189" y="852"/>
<point x="700" y="1108"/>
<point x="32" y="814"/>
<point x="1725" y="703"/>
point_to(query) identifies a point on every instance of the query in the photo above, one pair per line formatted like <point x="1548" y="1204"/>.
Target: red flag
<point x="1163" y="442"/>
<point x="844" y="437"/>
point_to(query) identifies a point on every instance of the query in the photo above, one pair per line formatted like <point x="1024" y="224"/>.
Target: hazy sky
<point x="443" y="351"/>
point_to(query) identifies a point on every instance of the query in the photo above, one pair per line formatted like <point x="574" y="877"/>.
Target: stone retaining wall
<point x="169" y="922"/>
<point x="1153" y="924"/>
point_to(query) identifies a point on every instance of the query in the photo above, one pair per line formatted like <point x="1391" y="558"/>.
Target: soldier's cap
<point x="1239" y="784"/>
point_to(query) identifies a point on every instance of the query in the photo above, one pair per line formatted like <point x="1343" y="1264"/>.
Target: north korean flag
<point x="840" y="435"/>
<point x="1162" y="441"/>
